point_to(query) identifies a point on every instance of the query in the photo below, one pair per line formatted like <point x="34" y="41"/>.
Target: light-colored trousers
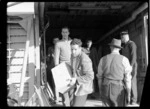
<point x="79" y="100"/>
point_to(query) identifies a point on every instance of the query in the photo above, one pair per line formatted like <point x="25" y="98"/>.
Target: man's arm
<point x="87" y="69"/>
<point x="127" y="77"/>
<point x="94" y="58"/>
<point x="99" y="75"/>
<point x="56" y="54"/>
<point x="133" y="53"/>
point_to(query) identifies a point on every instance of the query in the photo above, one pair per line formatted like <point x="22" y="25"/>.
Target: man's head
<point x="89" y="43"/>
<point x="65" y="33"/>
<point x="76" y="47"/>
<point x="124" y="36"/>
<point x="55" y="40"/>
<point x="115" y="44"/>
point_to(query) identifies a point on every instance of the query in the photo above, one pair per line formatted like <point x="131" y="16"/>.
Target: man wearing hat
<point x="114" y="72"/>
<point x="129" y="51"/>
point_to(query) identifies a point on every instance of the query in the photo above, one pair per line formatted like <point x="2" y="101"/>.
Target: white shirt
<point x="62" y="52"/>
<point x="127" y="70"/>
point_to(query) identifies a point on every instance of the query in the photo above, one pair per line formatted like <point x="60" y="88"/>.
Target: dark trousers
<point x="79" y="100"/>
<point x="50" y="78"/>
<point x="134" y="84"/>
<point x="113" y="95"/>
<point x="95" y="81"/>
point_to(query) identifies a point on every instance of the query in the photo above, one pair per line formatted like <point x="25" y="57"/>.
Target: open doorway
<point x="87" y="20"/>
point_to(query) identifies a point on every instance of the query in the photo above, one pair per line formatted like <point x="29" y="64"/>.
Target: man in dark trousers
<point x="91" y="51"/>
<point x="114" y="76"/>
<point x="50" y="64"/>
<point x="130" y="51"/>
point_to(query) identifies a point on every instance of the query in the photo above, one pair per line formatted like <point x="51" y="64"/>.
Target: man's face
<point x="124" y="38"/>
<point x="75" y="50"/>
<point x="55" y="40"/>
<point x="89" y="43"/>
<point x="65" y="33"/>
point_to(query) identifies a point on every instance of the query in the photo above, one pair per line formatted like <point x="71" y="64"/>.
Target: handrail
<point x="28" y="102"/>
<point x="39" y="94"/>
<point x="36" y="93"/>
<point x="24" y="70"/>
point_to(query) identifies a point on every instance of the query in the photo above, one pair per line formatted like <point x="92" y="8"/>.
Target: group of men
<point x="115" y="72"/>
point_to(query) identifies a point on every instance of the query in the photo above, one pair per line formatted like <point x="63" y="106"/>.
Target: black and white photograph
<point x="76" y="54"/>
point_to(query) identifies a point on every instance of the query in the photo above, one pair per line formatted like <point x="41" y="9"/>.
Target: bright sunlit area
<point x="20" y="7"/>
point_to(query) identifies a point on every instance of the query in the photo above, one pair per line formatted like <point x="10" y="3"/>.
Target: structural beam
<point x="133" y="16"/>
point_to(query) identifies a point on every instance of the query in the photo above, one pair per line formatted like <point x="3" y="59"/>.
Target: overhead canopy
<point x="89" y="19"/>
<point x="19" y="7"/>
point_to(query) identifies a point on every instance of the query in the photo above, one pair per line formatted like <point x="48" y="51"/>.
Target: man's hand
<point x="128" y="100"/>
<point x="100" y="87"/>
<point x="72" y="81"/>
<point x="128" y="96"/>
<point x="56" y="65"/>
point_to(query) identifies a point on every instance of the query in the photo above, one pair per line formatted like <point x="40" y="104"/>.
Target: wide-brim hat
<point x="116" y="43"/>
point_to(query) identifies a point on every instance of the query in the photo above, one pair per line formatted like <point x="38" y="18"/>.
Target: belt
<point x="108" y="81"/>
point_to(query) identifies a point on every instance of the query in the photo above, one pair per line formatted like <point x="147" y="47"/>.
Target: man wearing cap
<point x="129" y="51"/>
<point x="114" y="72"/>
<point x="91" y="51"/>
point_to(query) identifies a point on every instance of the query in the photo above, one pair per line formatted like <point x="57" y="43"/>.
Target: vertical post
<point x="146" y="37"/>
<point x="37" y="46"/>
<point x="45" y="76"/>
<point x="8" y="48"/>
<point x="31" y="61"/>
<point x="41" y="19"/>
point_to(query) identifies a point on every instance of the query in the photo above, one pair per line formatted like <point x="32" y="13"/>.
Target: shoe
<point x="134" y="104"/>
<point x="92" y="96"/>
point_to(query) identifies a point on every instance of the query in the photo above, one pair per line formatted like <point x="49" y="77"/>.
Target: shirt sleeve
<point x="100" y="71"/>
<point x="133" y="53"/>
<point x="56" y="54"/>
<point x="128" y="69"/>
<point x="87" y="70"/>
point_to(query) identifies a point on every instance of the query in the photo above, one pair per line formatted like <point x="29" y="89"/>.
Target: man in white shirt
<point x="62" y="52"/>
<point x="114" y="76"/>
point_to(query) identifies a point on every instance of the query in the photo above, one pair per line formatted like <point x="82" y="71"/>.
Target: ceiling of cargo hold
<point x="88" y="16"/>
